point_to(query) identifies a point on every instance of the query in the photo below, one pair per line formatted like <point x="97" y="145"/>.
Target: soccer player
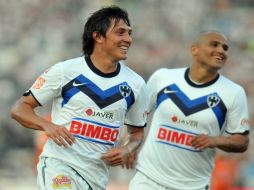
<point x="196" y="111"/>
<point x="93" y="97"/>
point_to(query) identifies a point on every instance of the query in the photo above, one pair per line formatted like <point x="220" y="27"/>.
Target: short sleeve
<point x="137" y="114"/>
<point x="48" y="85"/>
<point x="238" y="115"/>
<point x="152" y="93"/>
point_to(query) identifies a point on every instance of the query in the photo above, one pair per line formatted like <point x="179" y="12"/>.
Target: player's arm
<point x="133" y="144"/>
<point x="237" y="127"/>
<point x="232" y="143"/>
<point x="125" y="155"/>
<point x="135" y="138"/>
<point x="23" y="112"/>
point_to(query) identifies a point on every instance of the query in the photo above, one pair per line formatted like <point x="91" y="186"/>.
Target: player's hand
<point x="119" y="156"/>
<point x="60" y="135"/>
<point x="203" y="141"/>
<point x="130" y="161"/>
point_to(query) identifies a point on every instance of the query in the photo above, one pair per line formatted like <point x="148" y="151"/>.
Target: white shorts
<point x="140" y="181"/>
<point x="54" y="174"/>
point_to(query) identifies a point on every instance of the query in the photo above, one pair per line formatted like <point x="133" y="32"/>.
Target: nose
<point x="221" y="50"/>
<point x="128" y="38"/>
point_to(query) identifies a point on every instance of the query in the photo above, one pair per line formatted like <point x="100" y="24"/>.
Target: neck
<point x="103" y="63"/>
<point x="201" y="75"/>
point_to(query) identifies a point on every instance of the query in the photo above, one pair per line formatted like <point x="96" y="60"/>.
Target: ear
<point x="97" y="37"/>
<point x="194" y="49"/>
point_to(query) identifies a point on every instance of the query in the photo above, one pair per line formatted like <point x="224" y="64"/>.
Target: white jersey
<point x="184" y="109"/>
<point x="93" y="106"/>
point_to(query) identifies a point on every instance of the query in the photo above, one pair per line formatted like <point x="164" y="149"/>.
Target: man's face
<point x="118" y="40"/>
<point x="211" y="50"/>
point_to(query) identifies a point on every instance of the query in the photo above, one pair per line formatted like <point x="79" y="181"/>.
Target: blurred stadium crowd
<point x="35" y="34"/>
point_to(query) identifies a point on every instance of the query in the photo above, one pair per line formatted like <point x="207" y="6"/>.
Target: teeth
<point x="220" y="58"/>
<point x="124" y="48"/>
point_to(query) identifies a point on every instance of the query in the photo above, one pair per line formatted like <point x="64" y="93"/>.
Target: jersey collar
<point x="188" y="80"/>
<point x="98" y="72"/>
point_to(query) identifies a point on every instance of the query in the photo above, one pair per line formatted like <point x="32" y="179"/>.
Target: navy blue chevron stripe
<point x="188" y="106"/>
<point x="102" y="98"/>
<point x="220" y="111"/>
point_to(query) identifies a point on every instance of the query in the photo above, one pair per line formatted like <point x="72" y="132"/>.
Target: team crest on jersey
<point x="125" y="90"/>
<point x="213" y="100"/>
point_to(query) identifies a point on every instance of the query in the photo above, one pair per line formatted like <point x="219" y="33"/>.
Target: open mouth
<point x="219" y="58"/>
<point x="124" y="48"/>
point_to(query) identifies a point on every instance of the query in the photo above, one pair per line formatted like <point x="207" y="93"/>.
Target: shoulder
<point x="230" y="85"/>
<point x="71" y="65"/>
<point x="165" y="72"/>
<point x="73" y="61"/>
<point x="231" y="90"/>
<point x="131" y="74"/>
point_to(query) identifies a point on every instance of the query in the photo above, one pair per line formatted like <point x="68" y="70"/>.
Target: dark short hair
<point x="100" y="22"/>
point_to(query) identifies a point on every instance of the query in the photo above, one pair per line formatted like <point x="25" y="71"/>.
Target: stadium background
<point x="34" y="34"/>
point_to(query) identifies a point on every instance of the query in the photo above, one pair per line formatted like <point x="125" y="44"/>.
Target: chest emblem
<point x="213" y="100"/>
<point x="125" y="90"/>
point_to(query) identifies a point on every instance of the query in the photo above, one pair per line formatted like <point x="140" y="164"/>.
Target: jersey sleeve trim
<point x="140" y="126"/>
<point x="243" y="133"/>
<point x="28" y="93"/>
